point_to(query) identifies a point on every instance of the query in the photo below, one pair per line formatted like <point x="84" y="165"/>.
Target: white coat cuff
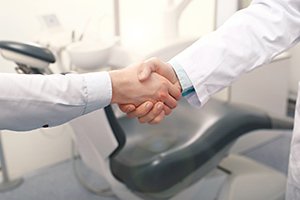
<point x="201" y="94"/>
<point x="99" y="90"/>
<point x="188" y="90"/>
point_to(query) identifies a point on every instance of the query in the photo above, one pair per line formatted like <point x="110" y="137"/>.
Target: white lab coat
<point x="34" y="101"/>
<point x="250" y="38"/>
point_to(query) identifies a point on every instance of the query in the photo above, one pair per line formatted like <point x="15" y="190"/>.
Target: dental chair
<point x="181" y="158"/>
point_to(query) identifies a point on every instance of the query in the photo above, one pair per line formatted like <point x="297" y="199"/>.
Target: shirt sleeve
<point x="249" y="39"/>
<point x="34" y="101"/>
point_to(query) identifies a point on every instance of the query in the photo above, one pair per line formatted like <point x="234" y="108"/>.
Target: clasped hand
<point x="148" y="90"/>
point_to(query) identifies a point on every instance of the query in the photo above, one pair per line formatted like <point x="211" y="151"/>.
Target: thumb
<point x="162" y="68"/>
<point x="144" y="72"/>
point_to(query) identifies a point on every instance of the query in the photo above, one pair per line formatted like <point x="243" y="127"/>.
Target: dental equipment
<point x="30" y="59"/>
<point x="90" y="55"/>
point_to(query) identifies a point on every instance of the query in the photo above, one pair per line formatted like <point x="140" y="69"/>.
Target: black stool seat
<point x="156" y="158"/>
<point x="39" y="53"/>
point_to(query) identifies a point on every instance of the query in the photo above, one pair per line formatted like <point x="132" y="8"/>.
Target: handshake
<point x="148" y="90"/>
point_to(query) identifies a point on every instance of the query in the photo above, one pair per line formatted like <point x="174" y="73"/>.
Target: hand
<point x="152" y="113"/>
<point x="127" y="89"/>
<point x="146" y="112"/>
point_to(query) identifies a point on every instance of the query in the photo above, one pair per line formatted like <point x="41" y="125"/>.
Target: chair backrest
<point x="29" y="58"/>
<point x="29" y="50"/>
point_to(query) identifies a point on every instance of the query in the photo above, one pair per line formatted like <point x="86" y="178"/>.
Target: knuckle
<point x="175" y="105"/>
<point x="162" y="95"/>
<point x="142" y="120"/>
<point x="168" y="111"/>
<point x="172" y="104"/>
<point x="122" y="108"/>
<point x="128" y="109"/>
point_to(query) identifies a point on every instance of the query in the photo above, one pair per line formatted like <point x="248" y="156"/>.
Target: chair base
<point x="10" y="185"/>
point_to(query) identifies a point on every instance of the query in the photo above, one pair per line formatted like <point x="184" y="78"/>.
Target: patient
<point x="51" y="100"/>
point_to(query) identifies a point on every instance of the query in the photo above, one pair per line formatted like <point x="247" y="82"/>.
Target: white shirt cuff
<point x="99" y="90"/>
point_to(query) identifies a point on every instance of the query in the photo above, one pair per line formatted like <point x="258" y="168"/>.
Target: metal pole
<point x="6" y="184"/>
<point x="117" y="17"/>
<point x="215" y="16"/>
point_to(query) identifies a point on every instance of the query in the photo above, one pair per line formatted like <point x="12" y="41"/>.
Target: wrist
<point x="115" y="77"/>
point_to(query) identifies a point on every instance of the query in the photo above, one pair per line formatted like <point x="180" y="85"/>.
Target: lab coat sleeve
<point x="35" y="101"/>
<point x="250" y="38"/>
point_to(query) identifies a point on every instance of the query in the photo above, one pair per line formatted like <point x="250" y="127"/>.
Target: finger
<point x="174" y="91"/>
<point x="127" y="108"/>
<point x="167" y="110"/>
<point x="141" y="110"/>
<point x="168" y="100"/>
<point x="158" y="108"/>
<point x="158" y="119"/>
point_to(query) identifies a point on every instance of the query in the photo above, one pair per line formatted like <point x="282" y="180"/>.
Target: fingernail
<point x="147" y="105"/>
<point x="160" y="106"/>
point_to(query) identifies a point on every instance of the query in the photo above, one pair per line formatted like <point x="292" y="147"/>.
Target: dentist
<point x="250" y="38"/>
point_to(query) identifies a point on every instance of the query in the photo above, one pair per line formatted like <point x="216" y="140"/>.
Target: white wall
<point x="294" y="70"/>
<point x="142" y="22"/>
<point x="27" y="151"/>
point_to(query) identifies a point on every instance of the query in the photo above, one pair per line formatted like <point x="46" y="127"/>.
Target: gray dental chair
<point x="163" y="161"/>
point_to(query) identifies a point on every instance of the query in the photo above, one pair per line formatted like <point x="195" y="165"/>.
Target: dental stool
<point x="177" y="158"/>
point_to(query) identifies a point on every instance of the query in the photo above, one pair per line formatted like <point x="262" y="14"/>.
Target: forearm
<point x="250" y="38"/>
<point x="34" y="101"/>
